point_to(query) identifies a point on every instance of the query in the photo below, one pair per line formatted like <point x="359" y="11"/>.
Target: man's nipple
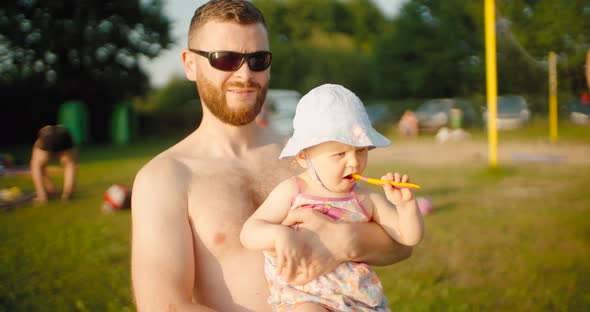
<point x="219" y="238"/>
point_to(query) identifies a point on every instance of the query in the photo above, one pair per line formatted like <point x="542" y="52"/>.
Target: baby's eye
<point x="341" y="154"/>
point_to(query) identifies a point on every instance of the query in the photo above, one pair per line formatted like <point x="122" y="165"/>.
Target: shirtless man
<point x="190" y="202"/>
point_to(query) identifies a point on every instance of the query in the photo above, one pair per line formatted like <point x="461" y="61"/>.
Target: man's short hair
<point x="239" y="11"/>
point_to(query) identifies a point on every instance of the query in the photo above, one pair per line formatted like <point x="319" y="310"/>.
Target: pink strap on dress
<point x="296" y="190"/>
<point x="359" y="202"/>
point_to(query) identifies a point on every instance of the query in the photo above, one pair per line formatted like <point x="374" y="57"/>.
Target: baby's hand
<point x="289" y="253"/>
<point x="397" y="196"/>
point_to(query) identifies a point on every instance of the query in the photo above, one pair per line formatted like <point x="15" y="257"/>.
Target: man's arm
<point x="370" y="243"/>
<point x="162" y="259"/>
<point x="330" y="243"/>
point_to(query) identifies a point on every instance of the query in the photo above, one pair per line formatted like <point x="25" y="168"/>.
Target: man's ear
<point x="300" y="158"/>
<point x="190" y="64"/>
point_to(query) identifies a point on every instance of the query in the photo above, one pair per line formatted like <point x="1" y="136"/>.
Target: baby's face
<point x="334" y="162"/>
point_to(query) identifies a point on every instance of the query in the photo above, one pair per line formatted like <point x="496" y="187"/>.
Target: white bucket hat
<point x="331" y="112"/>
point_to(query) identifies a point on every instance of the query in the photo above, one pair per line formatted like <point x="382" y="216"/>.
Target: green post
<point x="456" y="118"/>
<point x="73" y="115"/>
<point x="122" y="124"/>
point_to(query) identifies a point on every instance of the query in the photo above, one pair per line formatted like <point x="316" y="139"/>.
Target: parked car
<point x="282" y="105"/>
<point x="437" y="113"/>
<point x="378" y="113"/>
<point x="579" y="112"/>
<point x="512" y="112"/>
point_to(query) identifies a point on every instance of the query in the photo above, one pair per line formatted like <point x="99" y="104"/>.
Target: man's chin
<point x="241" y="123"/>
<point x="239" y="118"/>
<point x="240" y="101"/>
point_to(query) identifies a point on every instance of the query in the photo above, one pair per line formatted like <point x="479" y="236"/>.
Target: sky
<point x="168" y="64"/>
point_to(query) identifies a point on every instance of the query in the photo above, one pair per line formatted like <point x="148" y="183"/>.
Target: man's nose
<point x="244" y="71"/>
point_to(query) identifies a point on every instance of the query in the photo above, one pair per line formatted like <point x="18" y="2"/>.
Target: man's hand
<point x="321" y="252"/>
<point x="288" y="253"/>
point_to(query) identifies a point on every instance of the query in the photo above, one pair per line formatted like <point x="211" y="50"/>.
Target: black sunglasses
<point x="232" y="61"/>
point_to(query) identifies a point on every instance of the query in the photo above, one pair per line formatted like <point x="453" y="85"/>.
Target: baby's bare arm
<point x="264" y="230"/>
<point x="261" y="229"/>
<point x="397" y="212"/>
<point x="403" y="223"/>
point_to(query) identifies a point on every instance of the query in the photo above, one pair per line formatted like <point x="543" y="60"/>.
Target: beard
<point x="216" y="102"/>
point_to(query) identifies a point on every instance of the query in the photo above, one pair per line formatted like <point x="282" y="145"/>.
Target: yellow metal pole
<point x="588" y="69"/>
<point x="552" y="96"/>
<point x="491" y="79"/>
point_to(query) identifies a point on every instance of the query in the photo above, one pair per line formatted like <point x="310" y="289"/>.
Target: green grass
<point x="71" y="256"/>
<point x="498" y="241"/>
<point x="512" y="239"/>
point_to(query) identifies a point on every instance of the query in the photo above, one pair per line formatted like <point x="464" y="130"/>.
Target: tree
<point x="540" y="26"/>
<point x="365" y="23"/>
<point x="177" y="93"/>
<point x="434" y="49"/>
<point x="171" y="109"/>
<point x="315" y="42"/>
<point x="53" y="51"/>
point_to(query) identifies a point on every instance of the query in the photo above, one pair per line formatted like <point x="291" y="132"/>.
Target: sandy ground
<point x="430" y="152"/>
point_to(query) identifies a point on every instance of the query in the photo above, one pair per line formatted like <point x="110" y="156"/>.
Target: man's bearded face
<point x="215" y="100"/>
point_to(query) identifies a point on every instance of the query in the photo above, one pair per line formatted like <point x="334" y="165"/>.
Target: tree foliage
<point x="177" y="93"/>
<point x="433" y="50"/>
<point x="88" y="50"/>
<point x="171" y="109"/>
<point x="52" y="51"/>
<point x="539" y="26"/>
<point x="430" y="49"/>
<point x="315" y="42"/>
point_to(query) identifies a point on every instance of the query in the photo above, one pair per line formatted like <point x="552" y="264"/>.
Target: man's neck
<point x="225" y="140"/>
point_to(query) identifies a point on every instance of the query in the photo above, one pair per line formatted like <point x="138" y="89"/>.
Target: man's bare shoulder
<point x="163" y="168"/>
<point x="176" y="162"/>
<point x="163" y="181"/>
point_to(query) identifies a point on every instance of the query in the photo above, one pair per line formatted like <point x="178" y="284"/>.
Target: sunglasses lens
<point x="227" y="61"/>
<point x="231" y="61"/>
<point x="259" y="61"/>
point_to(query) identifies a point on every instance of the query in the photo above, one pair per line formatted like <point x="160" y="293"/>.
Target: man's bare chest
<point x="221" y="202"/>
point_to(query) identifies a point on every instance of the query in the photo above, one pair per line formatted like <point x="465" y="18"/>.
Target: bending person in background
<point x="53" y="142"/>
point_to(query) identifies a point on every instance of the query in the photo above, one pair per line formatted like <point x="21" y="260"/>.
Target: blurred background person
<point x="408" y="124"/>
<point x="53" y="142"/>
<point x="262" y="119"/>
